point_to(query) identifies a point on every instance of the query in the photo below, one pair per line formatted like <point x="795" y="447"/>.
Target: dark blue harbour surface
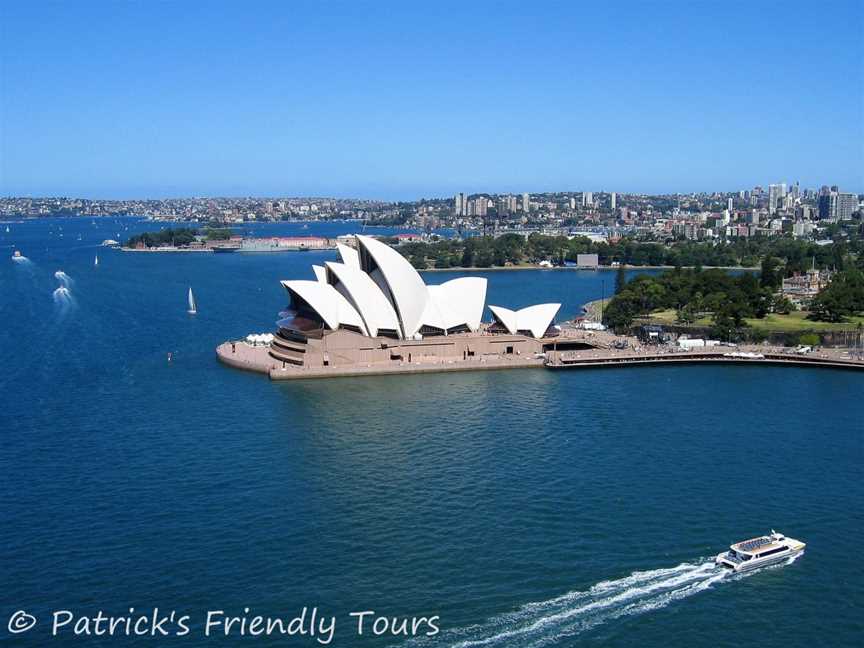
<point x="525" y="508"/>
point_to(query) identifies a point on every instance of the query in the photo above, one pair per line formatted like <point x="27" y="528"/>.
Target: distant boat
<point x="7" y="229"/>
<point x="193" y="310"/>
<point x="96" y="260"/>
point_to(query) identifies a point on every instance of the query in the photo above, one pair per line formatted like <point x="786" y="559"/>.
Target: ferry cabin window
<point x="772" y="552"/>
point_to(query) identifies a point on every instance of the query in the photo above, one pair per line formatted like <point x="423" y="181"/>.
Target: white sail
<point x="96" y="260"/>
<point x="192" y="308"/>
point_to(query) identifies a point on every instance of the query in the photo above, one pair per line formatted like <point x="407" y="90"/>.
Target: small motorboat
<point x="193" y="308"/>
<point x="760" y="552"/>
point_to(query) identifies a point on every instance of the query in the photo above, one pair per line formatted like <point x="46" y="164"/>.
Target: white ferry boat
<point x="759" y="552"/>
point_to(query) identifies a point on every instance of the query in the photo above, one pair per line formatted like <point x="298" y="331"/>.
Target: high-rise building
<point x="587" y="199"/>
<point x="824" y="203"/>
<point x="776" y="194"/>
<point x="504" y="205"/>
<point x="459" y="204"/>
<point x="729" y="205"/>
<point x="526" y="202"/>
<point x="572" y="202"/>
<point x="843" y="205"/>
<point x="613" y="201"/>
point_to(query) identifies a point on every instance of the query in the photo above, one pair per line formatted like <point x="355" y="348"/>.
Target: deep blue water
<point x="524" y="508"/>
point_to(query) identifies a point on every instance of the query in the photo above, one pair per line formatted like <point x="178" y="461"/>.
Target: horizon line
<point x="384" y="200"/>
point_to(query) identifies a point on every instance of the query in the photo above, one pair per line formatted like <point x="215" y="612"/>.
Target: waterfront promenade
<point x="257" y="359"/>
<point x="752" y="354"/>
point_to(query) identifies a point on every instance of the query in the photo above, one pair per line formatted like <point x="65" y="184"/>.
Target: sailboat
<point x="96" y="260"/>
<point x="193" y="310"/>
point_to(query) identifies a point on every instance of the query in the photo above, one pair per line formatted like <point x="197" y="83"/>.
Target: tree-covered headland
<point x="176" y="237"/>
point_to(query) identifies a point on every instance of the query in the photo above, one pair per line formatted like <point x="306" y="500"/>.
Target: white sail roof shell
<point x="328" y="302"/>
<point x="536" y="319"/>
<point x="435" y="314"/>
<point x="505" y="317"/>
<point x="466" y="297"/>
<point x="349" y="255"/>
<point x="455" y="303"/>
<point x="409" y="294"/>
<point x="391" y="296"/>
<point x="366" y="297"/>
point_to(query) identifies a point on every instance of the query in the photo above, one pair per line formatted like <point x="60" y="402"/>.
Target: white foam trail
<point x="546" y="622"/>
<point x="21" y="259"/>
<point x="64" y="279"/>
<point x="63" y="299"/>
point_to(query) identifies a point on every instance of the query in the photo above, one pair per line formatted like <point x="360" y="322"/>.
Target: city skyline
<point x="518" y="194"/>
<point x="398" y="103"/>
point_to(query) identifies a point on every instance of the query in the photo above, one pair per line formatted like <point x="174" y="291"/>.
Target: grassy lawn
<point x="592" y="309"/>
<point x="790" y="323"/>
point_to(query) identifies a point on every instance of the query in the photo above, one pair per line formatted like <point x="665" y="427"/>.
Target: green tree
<point x="782" y="305"/>
<point x="843" y="296"/>
<point x="620" y="278"/>
<point x="418" y="261"/>
<point x="808" y="339"/>
<point x="770" y="277"/>
<point x="685" y="315"/>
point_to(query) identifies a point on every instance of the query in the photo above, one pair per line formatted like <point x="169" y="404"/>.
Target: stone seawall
<point x="258" y="359"/>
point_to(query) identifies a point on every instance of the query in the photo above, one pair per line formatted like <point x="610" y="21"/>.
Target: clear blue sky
<point x="403" y="100"/>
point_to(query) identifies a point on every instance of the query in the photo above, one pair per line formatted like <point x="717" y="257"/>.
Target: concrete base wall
<point x="346" y="349"/>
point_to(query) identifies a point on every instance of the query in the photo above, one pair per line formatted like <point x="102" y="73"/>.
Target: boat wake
<point x="62" y="296"/>
<point x="64" y="279"/>
<point x="547" y="622"/>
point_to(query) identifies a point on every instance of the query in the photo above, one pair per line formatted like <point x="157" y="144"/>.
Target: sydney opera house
<point x="374" y="308"/>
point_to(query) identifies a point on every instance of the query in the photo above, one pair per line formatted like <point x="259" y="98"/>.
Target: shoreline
<point x="601" y="268"/>
<point x="454" y="268"/>
<point x="257" y="359"/>
<point x="126" y="249"/>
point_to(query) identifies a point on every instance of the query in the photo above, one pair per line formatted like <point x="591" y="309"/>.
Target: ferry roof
<point x="756" y="545"/>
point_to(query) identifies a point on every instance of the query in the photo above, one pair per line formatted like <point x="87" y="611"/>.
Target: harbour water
<point x="525" y="508"/>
